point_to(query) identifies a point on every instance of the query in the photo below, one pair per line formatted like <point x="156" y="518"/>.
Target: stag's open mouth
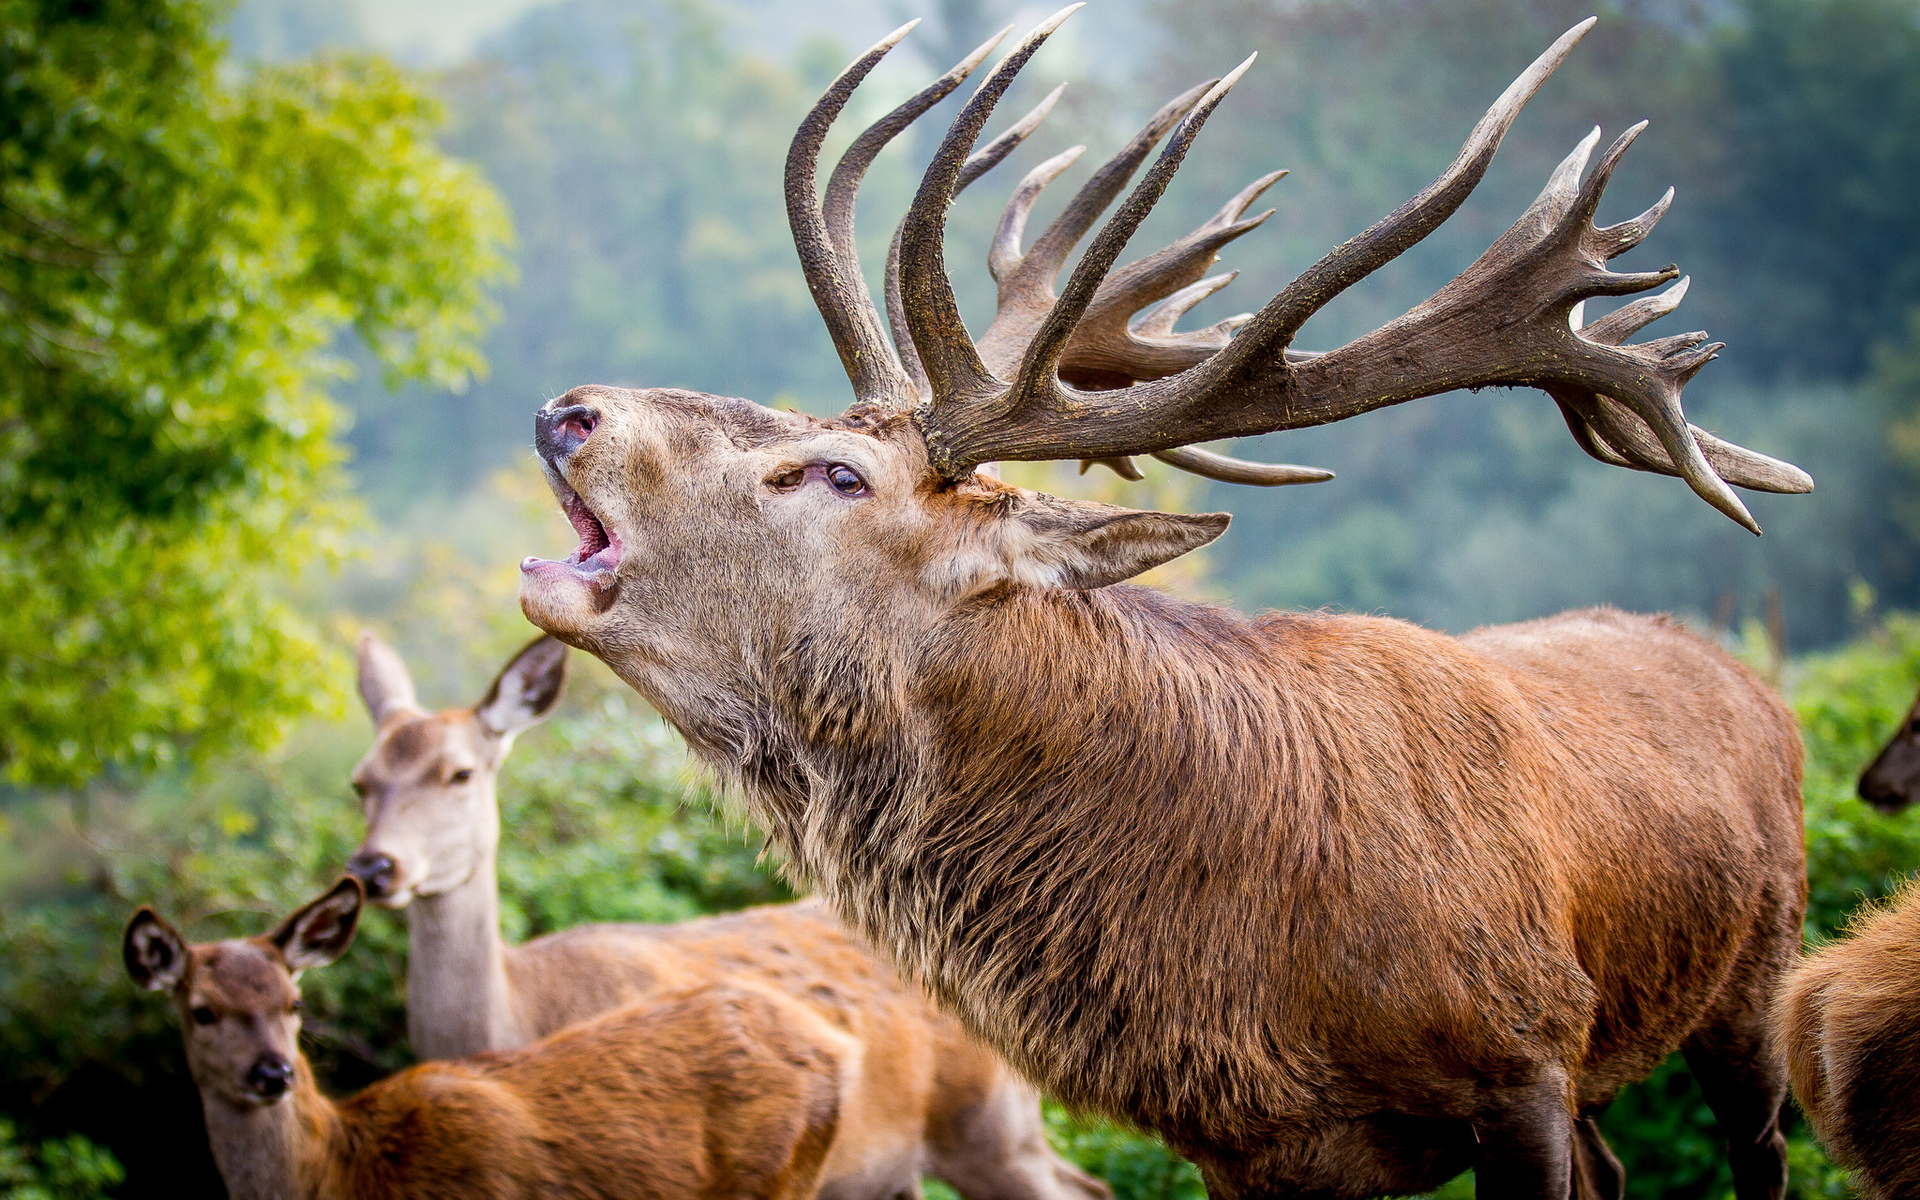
<point x="598" y="554"/>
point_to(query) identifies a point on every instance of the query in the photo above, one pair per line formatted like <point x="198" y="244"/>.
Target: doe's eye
<point x="296" y="1006"/>
<point x="846" y="480"/>
<point x="462" y="775"/>
<point x="202" y="1015"/>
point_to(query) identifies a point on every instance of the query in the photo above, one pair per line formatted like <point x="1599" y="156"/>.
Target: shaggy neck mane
<point x="944" y="804"/>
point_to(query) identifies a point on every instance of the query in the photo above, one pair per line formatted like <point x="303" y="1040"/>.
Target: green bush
<point x="68" y="1168"/>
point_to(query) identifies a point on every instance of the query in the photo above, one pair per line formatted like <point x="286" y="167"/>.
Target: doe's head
<point x="426" y="786"/>
<point x="238" y="1001"/>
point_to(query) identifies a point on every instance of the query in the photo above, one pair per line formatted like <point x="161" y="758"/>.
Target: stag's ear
<point x="156" y="957"/>
<point x="322" y="931"/>
<point x="1084" y="544"/>
<point x="527" y="689"/>
<point x="384" y="682"/>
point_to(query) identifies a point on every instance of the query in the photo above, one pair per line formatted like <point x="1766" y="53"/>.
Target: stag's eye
<point x="462" y="775"/>
<point x="295" y="1007"/>
<point x="845" y="480"/>
<point x="202" y="1015"/>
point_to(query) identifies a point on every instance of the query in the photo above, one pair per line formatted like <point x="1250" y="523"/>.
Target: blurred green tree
<point x="1811" y="191"/>
<point x="182" y="246"/>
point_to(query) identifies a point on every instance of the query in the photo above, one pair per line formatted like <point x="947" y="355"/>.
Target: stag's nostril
<point x="270" y="1076"/>
<point x="374" y="871"/>
<point x="558" y="432"/>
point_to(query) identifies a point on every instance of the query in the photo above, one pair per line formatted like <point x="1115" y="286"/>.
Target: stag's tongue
<point x="593" y="535"/>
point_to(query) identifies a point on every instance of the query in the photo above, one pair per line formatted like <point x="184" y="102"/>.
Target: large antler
<point x="1072" y="377"/>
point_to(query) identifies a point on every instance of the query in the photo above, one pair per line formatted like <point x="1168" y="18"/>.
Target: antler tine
<point x="1277" y="323"/>
<point x="1196" y="461"/>
<point x="1035" y="270"/>
<point x="1612" y="433"/>
<point x="832" y="276"/>
<point x="1239" y="470"/>
<point x="1037" y="379"/>
<point x="978" y="163"/>
<point x="844" y="184"/>
<point x="987" y="157"/>
<point x="1105" y="343"/>
<point x="953" y="367"/>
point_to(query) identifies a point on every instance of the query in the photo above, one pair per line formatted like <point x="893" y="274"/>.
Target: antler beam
<point x="1080" y="376"/>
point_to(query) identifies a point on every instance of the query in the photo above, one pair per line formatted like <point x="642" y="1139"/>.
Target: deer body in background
<point x="710" y="1093"/>
<point x="921" y="1095"/>
<point x="1849" y="1023"/>
<point x="1848" y="1018"/>
<point x="1340" y="906"/>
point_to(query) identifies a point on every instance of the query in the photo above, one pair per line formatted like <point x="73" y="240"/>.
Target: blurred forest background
<point x="275" y="311"/>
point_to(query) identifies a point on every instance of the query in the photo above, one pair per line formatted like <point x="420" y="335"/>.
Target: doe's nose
<point x="375" y="871"/>
<point x="270" y="1076"/>
<point x="558" y="432"/>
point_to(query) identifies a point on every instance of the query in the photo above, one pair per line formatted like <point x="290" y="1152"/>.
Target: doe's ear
<point x="1084" y="544"/>
<point x="527" y="689"/>
<point x="320" y="932"/>
<point x="384" y="683"/>
<point x="156" y="956"/>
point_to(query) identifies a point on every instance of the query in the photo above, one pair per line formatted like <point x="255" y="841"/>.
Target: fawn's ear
<point x="384" y="683"/>
<point x="321" y="932"/>
<point x="1085" y="544"/>
<point x="156" y="957"/>
<point x="527" y="689"/>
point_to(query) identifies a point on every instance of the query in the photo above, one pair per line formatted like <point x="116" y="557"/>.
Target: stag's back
<point x="1848" y="1021"/>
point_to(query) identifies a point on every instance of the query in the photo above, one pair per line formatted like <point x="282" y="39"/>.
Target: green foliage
<point x="1136" y="1166"/>
<point x="1817" y="161"/>
<point x="181" y="246"/>
<point x="68" y="1168"/>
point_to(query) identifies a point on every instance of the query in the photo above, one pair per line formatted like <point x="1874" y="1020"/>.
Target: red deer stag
<point x="1340" y="906"/>
<point x="703" y="1094"/>
<point x="1849" y="1022"/>
<point x="1891" y="781"/>
<point x="921" y="1095"/>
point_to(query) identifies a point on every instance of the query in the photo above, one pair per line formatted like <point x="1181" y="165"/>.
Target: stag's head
<point x="238" y="1001"/>
<point x="720" y="539"/>
<point x="426" y="786"/>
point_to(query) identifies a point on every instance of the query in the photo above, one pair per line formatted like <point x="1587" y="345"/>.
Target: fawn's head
<point x="238" y="1001"/>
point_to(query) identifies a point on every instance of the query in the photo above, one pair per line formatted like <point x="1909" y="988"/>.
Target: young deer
<point x="1339" y="905"/>
<point x="1849" y="1022"/>
<point x="709" y="1093"/>
<point x="921" y="1096"/>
